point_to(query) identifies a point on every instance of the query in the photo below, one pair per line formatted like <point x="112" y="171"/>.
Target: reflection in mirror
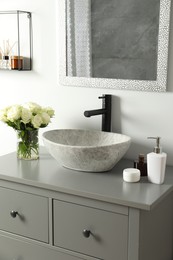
<point x="113" y="38"/>
<point x="116" y="43"/>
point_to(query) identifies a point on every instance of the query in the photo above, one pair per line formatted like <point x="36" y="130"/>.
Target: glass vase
<point x="27" y="144"/>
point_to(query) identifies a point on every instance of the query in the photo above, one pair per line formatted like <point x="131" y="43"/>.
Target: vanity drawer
<point x="107" y="236"/>
<point x="28" y="251"/>
<point x="32" y="218"/>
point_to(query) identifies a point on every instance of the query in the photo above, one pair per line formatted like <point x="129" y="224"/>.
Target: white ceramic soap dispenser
<point x="156" y="163"/>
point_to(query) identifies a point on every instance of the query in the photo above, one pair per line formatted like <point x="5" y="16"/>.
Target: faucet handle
<point x="102" y="97"/>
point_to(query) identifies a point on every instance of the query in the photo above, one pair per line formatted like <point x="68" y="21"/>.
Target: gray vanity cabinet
<point x="51" y="213"/>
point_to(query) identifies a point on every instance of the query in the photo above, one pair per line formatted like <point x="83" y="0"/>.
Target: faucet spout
<point x="95" y="112"/>
<point x="105" y="112"/>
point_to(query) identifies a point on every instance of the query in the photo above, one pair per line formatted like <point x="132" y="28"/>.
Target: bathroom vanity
<point x="49" y="212"/>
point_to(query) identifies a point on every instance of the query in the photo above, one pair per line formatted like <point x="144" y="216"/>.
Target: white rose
<point x="45" y="118"/>
<point x="34" y="108"/>
<point x="50" y="111"/>
<point x="37" y="121"/>
<point x="26" y="115"/>
<point x="14" y="113"/>
<point x="3" y="115"/>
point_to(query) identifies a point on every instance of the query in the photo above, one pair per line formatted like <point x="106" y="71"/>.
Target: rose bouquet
<point x="26" y="120"/>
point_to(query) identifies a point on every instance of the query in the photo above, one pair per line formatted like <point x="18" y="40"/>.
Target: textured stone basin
<point x="86" y="150"/>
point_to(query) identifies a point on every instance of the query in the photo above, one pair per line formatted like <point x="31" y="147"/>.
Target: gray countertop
<point x="108" y="186"/>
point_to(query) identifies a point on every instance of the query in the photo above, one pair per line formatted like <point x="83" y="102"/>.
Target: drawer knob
<point x="86" y="233"/>
<point x="13" y="213"/>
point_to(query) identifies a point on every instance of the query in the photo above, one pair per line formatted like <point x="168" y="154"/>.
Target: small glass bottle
<point x="141" y="165"/>
<point x="5" y="63"/>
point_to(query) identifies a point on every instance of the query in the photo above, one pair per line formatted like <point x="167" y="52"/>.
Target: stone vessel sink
<point x="86" y="150"/>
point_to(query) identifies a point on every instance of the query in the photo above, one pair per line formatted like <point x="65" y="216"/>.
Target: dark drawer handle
<point x="13" y="213"/>
<point x="86" y="233"/>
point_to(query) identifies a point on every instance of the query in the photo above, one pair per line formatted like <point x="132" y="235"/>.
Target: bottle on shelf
<point x="5" y="62"/>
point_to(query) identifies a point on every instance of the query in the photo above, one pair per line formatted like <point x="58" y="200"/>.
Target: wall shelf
<point x="15" y="40"/>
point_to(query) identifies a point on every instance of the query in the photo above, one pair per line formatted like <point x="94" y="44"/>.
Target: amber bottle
<point x="141" y="164"/>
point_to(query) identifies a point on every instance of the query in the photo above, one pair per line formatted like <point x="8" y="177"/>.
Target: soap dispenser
<point x="156" y="163"/>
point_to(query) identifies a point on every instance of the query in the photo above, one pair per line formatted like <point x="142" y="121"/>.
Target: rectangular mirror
<point x="120" y="44"/>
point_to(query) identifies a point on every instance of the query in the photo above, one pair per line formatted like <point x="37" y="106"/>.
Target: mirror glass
<point x="121" y="44"/>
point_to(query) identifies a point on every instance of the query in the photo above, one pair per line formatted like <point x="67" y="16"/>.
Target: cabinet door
<point x="31" y="219"/>
<point x="91" y="231"/>
<point x="12" y="249"/>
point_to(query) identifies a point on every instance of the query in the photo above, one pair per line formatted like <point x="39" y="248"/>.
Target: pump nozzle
<point x="157" y="149"/>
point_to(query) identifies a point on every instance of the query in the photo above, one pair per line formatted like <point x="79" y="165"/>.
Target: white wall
<point x="137" y="114"/>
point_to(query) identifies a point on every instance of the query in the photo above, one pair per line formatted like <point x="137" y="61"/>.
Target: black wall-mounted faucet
<point x="105" y="112"/>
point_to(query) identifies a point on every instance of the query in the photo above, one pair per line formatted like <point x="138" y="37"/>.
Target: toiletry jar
<point x="131" y="175"/>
